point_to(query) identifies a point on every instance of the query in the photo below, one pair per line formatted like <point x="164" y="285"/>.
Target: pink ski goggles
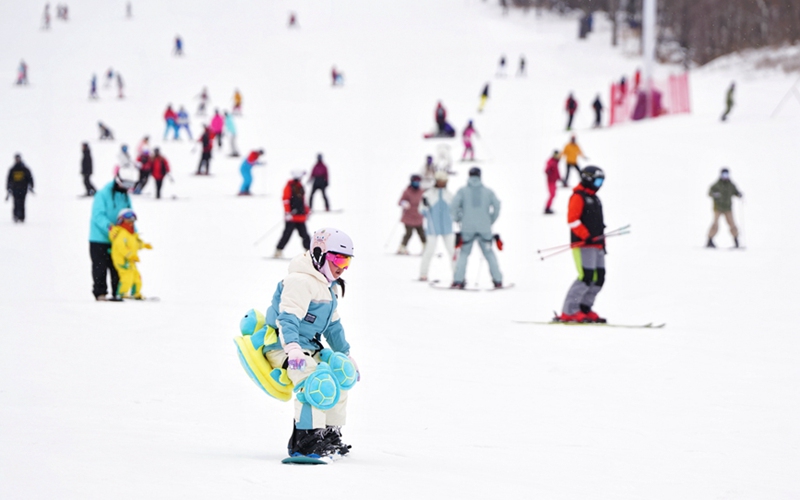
<point x="338" y="260"/>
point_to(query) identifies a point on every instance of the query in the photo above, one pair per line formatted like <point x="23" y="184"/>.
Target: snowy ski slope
<point x="147" y="400"/>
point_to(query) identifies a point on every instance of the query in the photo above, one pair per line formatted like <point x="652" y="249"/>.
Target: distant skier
<point x="143" y="160"/>
<point x="637" y="80"/>
<point x="86" y="169"/>
<point x="120" y="87"/>
<point x="411" y="218"/>
<point x="158" y="166"/>
<point x="501" y="68"/>
<point x="723" y="192"/>
<point x="207" y="141"/>
<point x="585" y="219"/>
<point x="246" y="171"/>
<point x="729" y="101"/>
<point x="22" y="73"/>
<point x="571" y="107"/>
<point x="428" y="173"/>
<point x="467" y="137"/>
<point x="571" y="153"/>
<point x="93" y="88"/>
<point x="183" y="123"/>
<point x="230" y="129"/>
<point x="46" y="17"/>
<point x="128" y="10"/>
<point x="105" y="132"/>
<point x="337" y="78"/>
<point x="124" y="161"/>
<point x="170" y="119"/>
<point x="295" y="213"/>
<point x="217" y="125"/>
<point x="203" y="96"/>
<point x="108" y="202"/>
<point x="553" y="176"/>
<point x="439" y="222"/>
<point x="476" y="208"/>
<point x="178" y="50"/>
<point x="125" y="246"/>
<point x="484" y="98"/>
<point x="598" y="111"/>
<point x="521" y="71"/>
<point x="441" y="117"/>
<point x="109" y="78"/>
<point x="293" y="20"/>
<point x="319" y="182"/>
<point x="18" y="184"/>
<point x="304" y="311"/>
<point x="237" y="102"/>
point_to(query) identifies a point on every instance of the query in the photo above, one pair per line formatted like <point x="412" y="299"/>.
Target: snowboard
<point x="304" y="461"/>
<point x="575" y="323"/>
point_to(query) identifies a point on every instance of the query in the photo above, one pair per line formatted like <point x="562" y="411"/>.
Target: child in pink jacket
<point x="467" y="137"/>
<point x="551" y="170"/>
<point x="217" y="124"/>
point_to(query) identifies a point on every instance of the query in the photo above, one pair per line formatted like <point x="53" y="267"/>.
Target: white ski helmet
<point x="329" y="240"/>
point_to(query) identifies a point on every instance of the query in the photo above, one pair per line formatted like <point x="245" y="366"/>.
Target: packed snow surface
<point x="147" y="400"/>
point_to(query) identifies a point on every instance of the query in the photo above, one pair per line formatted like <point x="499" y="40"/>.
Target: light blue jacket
<point x="303" y="309"/>
<point x="476" y="207"/>
<point x="105" y="207"/>
<point x="229" y="125"/>
<point x="437" y="212"/>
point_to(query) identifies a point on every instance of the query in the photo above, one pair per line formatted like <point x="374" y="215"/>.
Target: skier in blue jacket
<point x="107" y="203"/>
<point x="247" y="165"/>
<point x="476" y="208"/>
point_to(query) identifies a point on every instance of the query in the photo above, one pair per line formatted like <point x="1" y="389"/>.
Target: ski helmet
<point x="124" y="184"/>
<point x="475" y="172"/>
<point x="416" y="178"/>
<point x="592" y="177"/>
<point x="126" y="214"/>
<point x="329" y="240"/>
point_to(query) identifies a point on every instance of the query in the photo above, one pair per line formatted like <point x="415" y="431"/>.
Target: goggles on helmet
<point x="127" y="216"/>
<point x="598" y="182"/>
<point x="338" y="260"/>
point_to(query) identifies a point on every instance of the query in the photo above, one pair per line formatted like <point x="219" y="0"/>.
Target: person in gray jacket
<point x="476" y="207"/>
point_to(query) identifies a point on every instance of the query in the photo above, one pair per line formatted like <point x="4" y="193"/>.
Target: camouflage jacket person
<point x="722" y="191"/>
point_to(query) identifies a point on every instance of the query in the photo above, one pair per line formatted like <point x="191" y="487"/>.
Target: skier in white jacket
<point x="436" y="202"/>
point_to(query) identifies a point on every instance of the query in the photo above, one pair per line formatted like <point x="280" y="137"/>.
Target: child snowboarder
<point x="467" y="137"/>
<point x="295" y="212"/>
<point x="551" y="170"/>
<point x="319" y="182"/>
<point x="303" y="311"/>
<point x="125" y="246"/>
<point x="411" y="218"/>
<point x="246" y="168"/>
<point x="585" y="219"/>
<point x="723" y="192"/>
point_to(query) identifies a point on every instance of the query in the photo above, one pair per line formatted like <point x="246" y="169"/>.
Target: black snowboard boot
<point x="310" y="443"/>
<point x="333" y="435"/>
<point x="710" y="244"/>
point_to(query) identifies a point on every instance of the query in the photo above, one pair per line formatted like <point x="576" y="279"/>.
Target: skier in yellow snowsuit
<point x="125" y="245"/>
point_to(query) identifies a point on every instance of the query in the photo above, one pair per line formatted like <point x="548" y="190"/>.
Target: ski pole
<point x="570" y="246"/>
<point x="610" y="233"/>
<point x="267" y="233"/>
<point x="391" y="235"/>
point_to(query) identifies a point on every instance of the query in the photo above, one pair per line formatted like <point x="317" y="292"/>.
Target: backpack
<point x="297" y="203"/>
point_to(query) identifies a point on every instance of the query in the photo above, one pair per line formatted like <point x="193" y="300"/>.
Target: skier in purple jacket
<point x="319" y="181"/>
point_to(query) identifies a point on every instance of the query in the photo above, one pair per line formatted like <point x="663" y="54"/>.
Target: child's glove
<point x="358" y="372"/>
<point x="147" y="246"/>
<point x="297" y="358"/>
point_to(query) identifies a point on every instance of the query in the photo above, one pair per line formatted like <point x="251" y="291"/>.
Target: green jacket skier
<point x="722" y="193"/>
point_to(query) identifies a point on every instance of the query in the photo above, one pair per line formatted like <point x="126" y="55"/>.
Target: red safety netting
<point x="670" y="96"/>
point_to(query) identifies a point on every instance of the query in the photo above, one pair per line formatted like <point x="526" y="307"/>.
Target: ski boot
<point x="402" y="250"/>
<point x="710" y="244"/>
<point x="498" y="284"/>
<point x="592" y="316"/>
<point x="458" y="285"/>
<point x="278" y="254"/>
<point x="736" y="241"/>
<point x="310" y="443"/>
<point x="547" y="211"/>
<point x="333" y="436"/>
<point x="577" y="317"/>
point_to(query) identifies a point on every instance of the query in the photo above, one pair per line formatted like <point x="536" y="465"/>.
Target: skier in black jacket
<point x="86" y="170"/>
<point x="19" y="182"/>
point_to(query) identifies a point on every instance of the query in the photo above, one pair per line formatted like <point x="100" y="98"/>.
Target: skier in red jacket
<point x="551" y="170"/>
<point x="159" y="168"/>
<point x="295" y="212"/>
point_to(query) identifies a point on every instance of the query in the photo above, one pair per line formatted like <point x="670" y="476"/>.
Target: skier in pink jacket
<point x="217" y="124"/>
<point x="467" y="137"/>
